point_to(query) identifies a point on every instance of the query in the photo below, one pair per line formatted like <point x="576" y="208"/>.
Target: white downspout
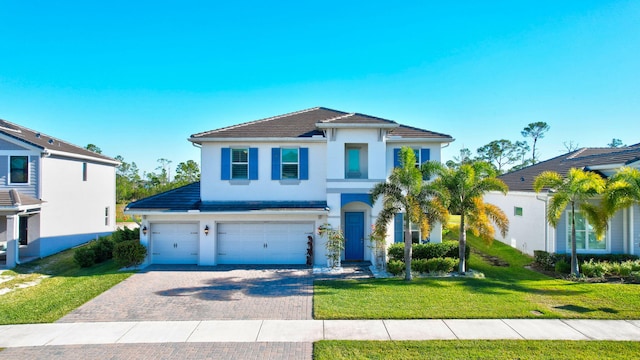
<point x="625" y="232"/>
<point x="631" y="232"/>
<point x="546" y="223"/>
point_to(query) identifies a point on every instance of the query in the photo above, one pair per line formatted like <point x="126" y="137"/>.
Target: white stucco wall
<point x="526" y="232"/>
<point x="212" y="188"/>
<point x="74" y="210"/>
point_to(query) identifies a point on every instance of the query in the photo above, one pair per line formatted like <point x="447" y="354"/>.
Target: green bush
<point x="635" y="276"/>
<point x="395" y="267"/>
<point x="129" y="253"/>
<point x="84" y="256"/>
<point x="428" y="251"/>
<point x="125" y="234"/>
<point x="544" y="259"/>
<point x="103" y="249"/>
<point x="594" y="269"/>
<point x="419" y="265"/>
<point x="562" y="266"/>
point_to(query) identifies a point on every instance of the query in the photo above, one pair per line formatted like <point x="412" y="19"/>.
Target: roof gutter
<point x="253" y="212"/>
<point x="259" y="139"/>
<point x="48" y="152"/>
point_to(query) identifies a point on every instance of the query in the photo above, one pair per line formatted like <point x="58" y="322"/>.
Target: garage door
<point x="174" y="243"/>
<point x="263" y="243"/>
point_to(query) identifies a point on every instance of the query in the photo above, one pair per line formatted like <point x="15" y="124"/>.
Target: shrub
<point x="419" y="265"/>
<point x="562" y="266"/>
<point x="635" y="265"/>
<point x="103" y="249"/>
<point x="129" y="253"/>
<point x="84" y="256"/>
<point x="428" y="251"/>
<point x="396" y="252"/>
<point x="395" y="267"/>
<point x="635" y="276"/>
<point x="125" y="234"/>
<point x="544" y="259"/>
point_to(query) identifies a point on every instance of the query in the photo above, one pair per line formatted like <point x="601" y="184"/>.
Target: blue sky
<point x="137" y="78"/>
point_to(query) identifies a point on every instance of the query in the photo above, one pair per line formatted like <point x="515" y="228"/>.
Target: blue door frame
<point x="354" y="236"/>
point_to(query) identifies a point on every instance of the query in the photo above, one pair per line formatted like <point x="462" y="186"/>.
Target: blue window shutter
<point x="253" y="163"/>
<point x="275" y="163"/>
<point x="425" y="155"/>
<point x="396" y="157"/>
<point x="398" y="228"/>
<point x="225" y="164"/>
<point x="304" y="163"/>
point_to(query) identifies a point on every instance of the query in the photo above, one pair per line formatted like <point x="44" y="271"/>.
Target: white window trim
<point x="282" y="163"/>
<point x="607" y="238"/>
<point x="231" y="163"/>
<point x="28" y="171"/>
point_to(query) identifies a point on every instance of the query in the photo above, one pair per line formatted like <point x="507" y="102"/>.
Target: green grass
<point x="506" y="292"/>
<point x="503" y="349"/>
<point x="64" y="287"/>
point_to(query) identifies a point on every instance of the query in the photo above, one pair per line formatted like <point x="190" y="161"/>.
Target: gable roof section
<point x="585" y="158"/>
<point x="46" y="142"/>
<point x="187" y="198"/>
<point x="305" y="124"/>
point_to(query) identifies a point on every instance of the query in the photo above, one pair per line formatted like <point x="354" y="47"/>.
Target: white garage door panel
<point x="263" y="243"/>
<point x="174" y="243"/>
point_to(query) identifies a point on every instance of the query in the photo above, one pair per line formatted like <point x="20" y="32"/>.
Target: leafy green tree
<point x="460" y="191"/>
<point x="535" y="130"/>
<point x="575" y="190"/>
<point x="501" y="153"/>
<point x="94" y="148"/>
<point x="463" y="158"/>
<point x="187" y="172"/>
<point x="615" y="143"/>
<point x="405" y="191"/>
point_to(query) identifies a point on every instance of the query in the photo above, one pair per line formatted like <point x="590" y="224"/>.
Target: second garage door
<point x="173" y="243"/>
<point x="263" y="243"/>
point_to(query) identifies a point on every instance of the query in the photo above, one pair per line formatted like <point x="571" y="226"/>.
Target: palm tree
<point x="406" y="192"/>
<point x="573" y="190"/>
<point x="460" y="190"/>
<point x="623" y="190"/>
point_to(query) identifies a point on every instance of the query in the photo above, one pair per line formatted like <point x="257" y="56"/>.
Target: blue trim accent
<point x="275" y="163"/>
<point x="304" y="163"/>
<point x="348" y="198"/>
<point x="253" y="163"/>
<point x="225" y="164"/>
<point x="398" y="228"/>
<point x="396" y="157"/>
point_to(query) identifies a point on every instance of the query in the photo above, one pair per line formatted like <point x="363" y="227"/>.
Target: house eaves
<point x="316" y="138"/>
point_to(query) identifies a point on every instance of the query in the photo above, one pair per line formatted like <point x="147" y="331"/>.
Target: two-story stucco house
<point x="53" y="195"/>
<point x="267" y="185"/>
<point x="529" y="229"/>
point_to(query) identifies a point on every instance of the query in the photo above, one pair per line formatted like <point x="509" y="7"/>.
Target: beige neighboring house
<point x="53" y="195"/>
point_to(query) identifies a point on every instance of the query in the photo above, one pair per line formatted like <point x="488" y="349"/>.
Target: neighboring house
<point x="267" y="185"/>
<point x="53" y="195"/>
<point x="528" y="228"/>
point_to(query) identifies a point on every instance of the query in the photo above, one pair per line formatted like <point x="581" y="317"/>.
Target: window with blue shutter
<point x="304" y="163"/>
<point x="290" y="164"/>
<point x="239" y="164"/>
<point x="253" y="163"/>
<point x="396" y="157"/>
<point x="225" y="164"/>
<point x="425" y="155"/>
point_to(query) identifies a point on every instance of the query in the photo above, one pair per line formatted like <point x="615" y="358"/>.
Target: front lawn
<point x="506" y="292"/>
<point x="60" y="287"/>
<point x="475" y="349"/>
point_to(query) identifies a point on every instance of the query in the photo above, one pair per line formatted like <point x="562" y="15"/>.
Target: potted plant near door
<point x="334" y="245"/>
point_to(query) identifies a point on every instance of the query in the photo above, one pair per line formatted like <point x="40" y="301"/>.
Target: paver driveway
<point x="204" y="293"/>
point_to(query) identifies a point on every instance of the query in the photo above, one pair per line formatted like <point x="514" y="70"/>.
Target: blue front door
<point x="354" y="236"/>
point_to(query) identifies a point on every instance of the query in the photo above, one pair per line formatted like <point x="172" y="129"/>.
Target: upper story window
<point x="84" y="171"/>
<point x="422" y="155"/>
<point x="19" y="170"/>
<point x="355" y="161"/>
<point x="585" y="236"/>
<point x="290" y="163"/>
<point x="240" y="164"/>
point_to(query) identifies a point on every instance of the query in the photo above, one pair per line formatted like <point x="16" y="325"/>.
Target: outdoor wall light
<point x="144" y="230"/>
<point x="206" y="229"/>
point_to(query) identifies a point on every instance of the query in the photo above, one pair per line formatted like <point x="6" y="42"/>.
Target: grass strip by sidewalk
<point x="475" y="349"/>
<point x="65" y="287"/>
<point x="506" y="292"/>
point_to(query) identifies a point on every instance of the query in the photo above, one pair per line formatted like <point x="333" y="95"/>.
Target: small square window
<point x="517" y="211"/>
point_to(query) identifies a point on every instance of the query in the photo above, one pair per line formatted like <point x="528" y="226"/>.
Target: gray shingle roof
<point x="304" y="124"/>
<point x="187" y="198"/>
<point x="44" y="141"/>
<point x="522" y="180"/>
<point x="14" y="199"/>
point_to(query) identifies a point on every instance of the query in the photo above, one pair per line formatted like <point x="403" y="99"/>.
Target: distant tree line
<point x="131" y="185"/>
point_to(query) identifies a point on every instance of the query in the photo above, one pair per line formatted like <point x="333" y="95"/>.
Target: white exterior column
<point x="13" y="243"/>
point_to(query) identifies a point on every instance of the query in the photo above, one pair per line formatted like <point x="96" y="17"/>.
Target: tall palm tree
<point x="405" y="191"/>
<point x="575" y="190"/>
<point x="460" y="190"/>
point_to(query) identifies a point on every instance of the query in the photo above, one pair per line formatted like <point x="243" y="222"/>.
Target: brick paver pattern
<point x="201" y="293"/>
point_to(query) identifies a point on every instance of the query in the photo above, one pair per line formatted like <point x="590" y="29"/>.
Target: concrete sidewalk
<point x="307" y="331"/>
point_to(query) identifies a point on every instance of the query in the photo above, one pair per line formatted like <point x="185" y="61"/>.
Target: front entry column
<point x="13" y="243"/>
